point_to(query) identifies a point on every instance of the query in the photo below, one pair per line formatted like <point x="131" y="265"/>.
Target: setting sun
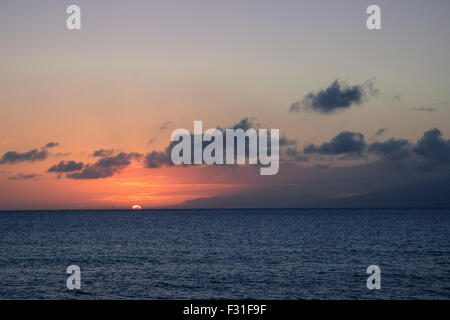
<point x="136" y="207"/>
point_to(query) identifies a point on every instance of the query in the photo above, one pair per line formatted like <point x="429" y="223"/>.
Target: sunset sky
<point x="108" y="95"/>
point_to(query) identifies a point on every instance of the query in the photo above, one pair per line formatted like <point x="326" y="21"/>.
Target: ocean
<point x="226" y="254"/>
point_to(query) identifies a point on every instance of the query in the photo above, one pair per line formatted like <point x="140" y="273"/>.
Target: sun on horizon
<point x="136" y="207"/>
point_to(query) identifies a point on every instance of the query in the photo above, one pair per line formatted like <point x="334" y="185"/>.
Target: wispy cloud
<point x="381" y="132"/>
<point x="151" y="141"/>
<point x="425" y="109"/>
<point x="51" y="145"/>
<point x="103" y="153"/>
<point x="22" y="176"/>
<point x="166" y="125"/>
<point x="63" y="154"/>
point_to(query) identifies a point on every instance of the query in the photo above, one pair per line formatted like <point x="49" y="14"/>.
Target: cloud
<point x="390" y="147"/>
<point x="429" y="153"/>
<point x="51" y="145"/>
<point x="22" y="176"/>
<point x="12" y="157"/>
<point x="151" y="141"/>
<point x="381" y="132"/>
<point x="106" y="167"/>
<point x="285" y="142"/>
<point x="66" y="166"/>
<point x="103" y="153"/>
<point x="157" y="159"/>
<point x="425" y="109"/>
<point x="321" y="166"/>
<point x="433" y="147"/>
<point x="396" y="152"/>
<point x="63" y="154"/>
<point x="166" y="125"/>
<point x="344" y="142"/>
<point x="338" y="96"/>
<point x="246" y="123"/>
<point x="295" y="154"/>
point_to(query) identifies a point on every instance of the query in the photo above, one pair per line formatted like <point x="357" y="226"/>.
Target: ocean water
<point x="226" y="254"/>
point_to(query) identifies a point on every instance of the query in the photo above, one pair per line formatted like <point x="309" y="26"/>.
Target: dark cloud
<point x="295" y="154"/>
<point x="22" y="176"/>
<point x="66" y="166"/>
<point x="380" y="132"/>
<point x="344" y="142"/>
<point x="433" y="147"/>
<point x="286" y="142"/>
<point x="397" y="177"/>
<point x="390" y="147"/>
<point x="431" y="152"/>
<point x="321" y="166"/>
<point x="353" y="156"/>
<point x="338" y="96"/>
<point x="103" y="153"/>
<point x="51" y="145"/>
<point x="425" y="109"/>
<point x="246" y="123"/>
<point x="12" y="157"/>
<point x="157" y="159"/>
<point x="106" y="167"/>
<point x="166" y="125"/>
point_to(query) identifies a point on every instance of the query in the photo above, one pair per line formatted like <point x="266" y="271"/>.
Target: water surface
<point x="226" y="254"/>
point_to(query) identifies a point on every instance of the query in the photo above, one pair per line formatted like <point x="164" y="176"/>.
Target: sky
<point x="359" y="110"/>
